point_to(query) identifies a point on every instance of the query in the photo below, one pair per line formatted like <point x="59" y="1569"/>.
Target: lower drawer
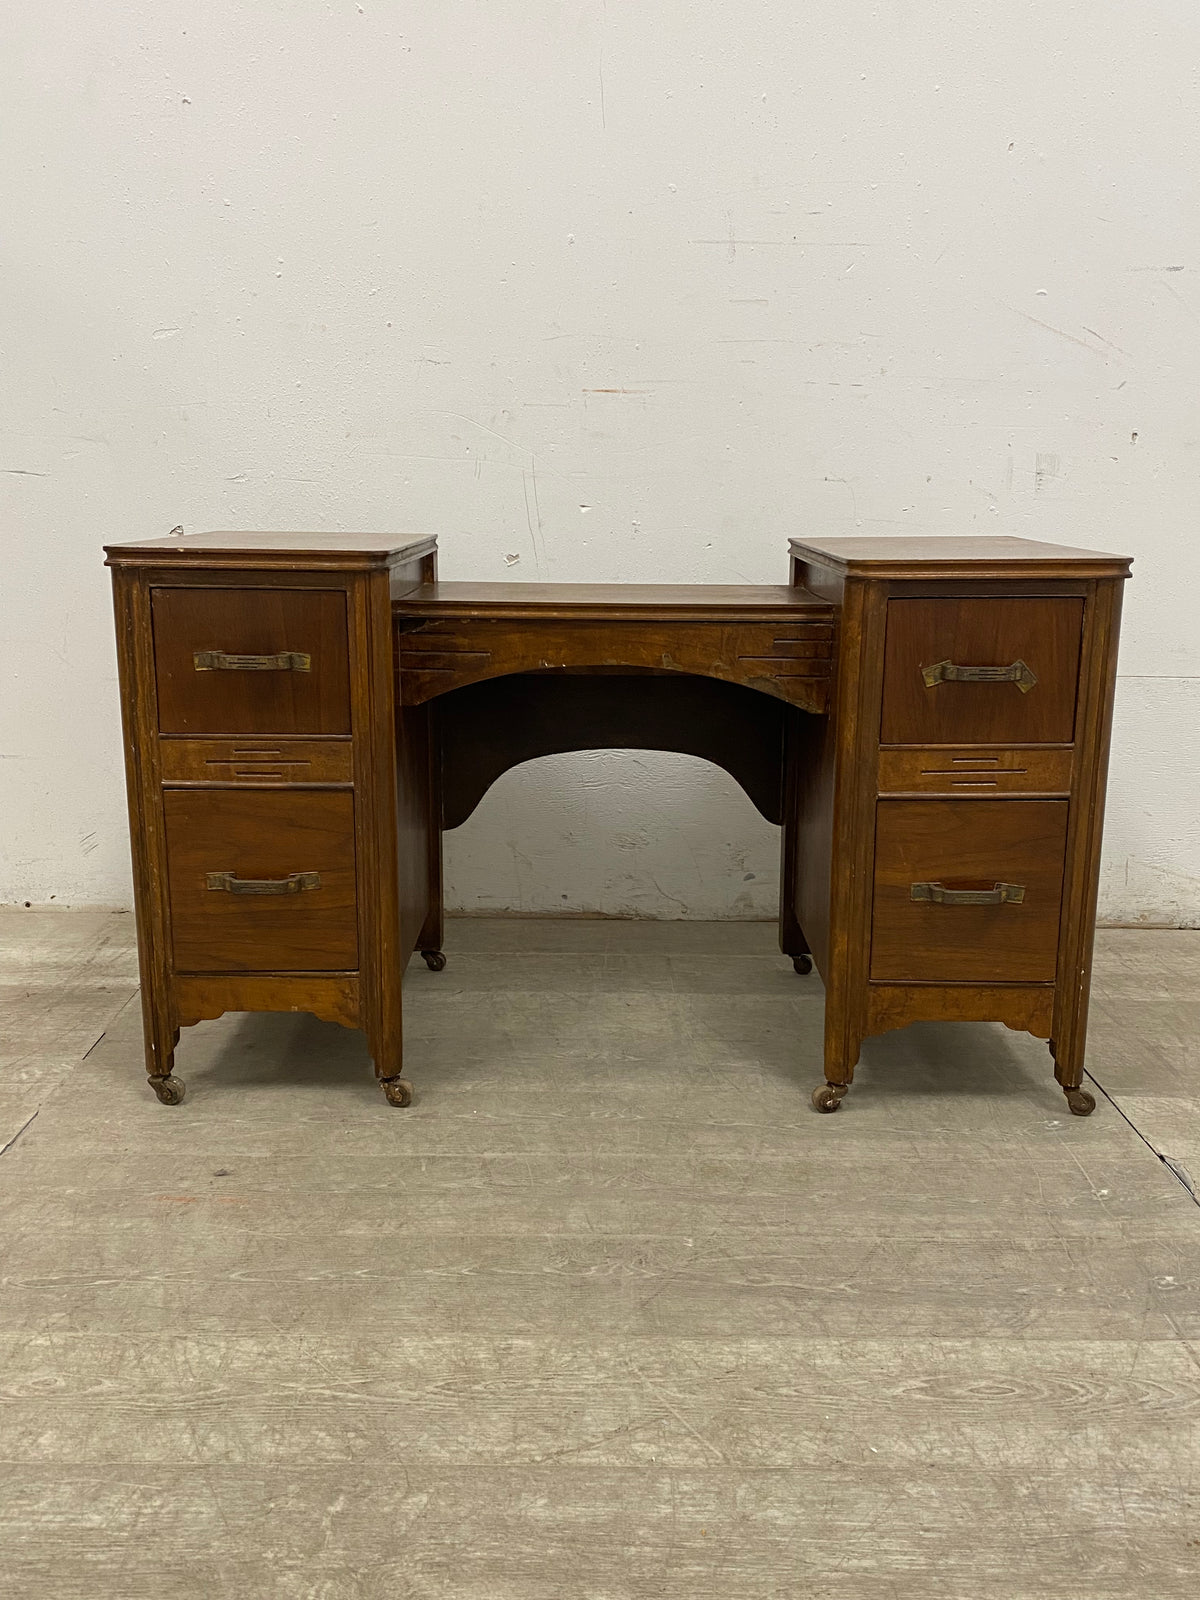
<point x="261" y="882"/>
<point x="967" y="891"/>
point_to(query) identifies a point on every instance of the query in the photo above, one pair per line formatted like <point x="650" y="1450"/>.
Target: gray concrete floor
<point x="610" y="1312"/>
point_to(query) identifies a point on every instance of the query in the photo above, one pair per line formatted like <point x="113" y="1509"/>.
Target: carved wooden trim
<point x="1026" y="1008"/>
<point x="203" y="996"/>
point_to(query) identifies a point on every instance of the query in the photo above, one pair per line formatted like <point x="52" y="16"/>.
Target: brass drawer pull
<point x="949" y="672"/>
<point x="221" y="661"/>
<point x="998" y="895"/>
<point x="294" y="883"/>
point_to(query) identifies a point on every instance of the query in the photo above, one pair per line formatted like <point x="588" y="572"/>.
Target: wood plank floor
<point x="609" y="1312"/>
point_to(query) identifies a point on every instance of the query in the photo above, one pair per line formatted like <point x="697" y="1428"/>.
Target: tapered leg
<point x="841" y="1057"/>
<point x="1068" y="1069"/>
<point x="160" y="1038"/>
<point x="387" y="1051"/>
<point x="433" y="930"/>
<point x="791" y="936"/>
<point x="429" y="943"/>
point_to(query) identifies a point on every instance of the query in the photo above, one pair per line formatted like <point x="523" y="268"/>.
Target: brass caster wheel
<point x="169" y="1090"/>
<point x="1082" y="1103"/>
<point x="828" y="1096"/>
<point x="803" y="965"/>
<point x="433" y="959"/>
<point x="398" y="1091"/>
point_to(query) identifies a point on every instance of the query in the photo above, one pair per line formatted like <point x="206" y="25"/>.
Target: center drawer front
<point x="260" y="838"/>
<point x="791" y="659"/>
<point x="958" y="636"/>
<point x="270" y="660"/>
<point x="967" y="845"/>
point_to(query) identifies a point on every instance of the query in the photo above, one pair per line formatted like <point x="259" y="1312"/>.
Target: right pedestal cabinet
<point x="960" y="778"/>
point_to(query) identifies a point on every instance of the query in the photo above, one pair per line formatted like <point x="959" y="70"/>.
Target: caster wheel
<point x="434" y="960"/>
<point x="828" y="1096"/>
<point x="802" y="964"/>
<point x="1082" y="1103"/>
<point x="399" y="1091"/>
<point x="169" y="1090"/>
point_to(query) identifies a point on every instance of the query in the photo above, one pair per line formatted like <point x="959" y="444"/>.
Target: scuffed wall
<point x="597" y="291"/>
<point x="618" y="833"/>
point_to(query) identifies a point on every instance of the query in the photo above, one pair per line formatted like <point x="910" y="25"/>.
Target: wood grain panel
<point x="202" y="996"/>
<point x="968" y="844"/>
<point x="981" y="560"/>
<point x="375" y="813"/>
<point x="614" y="602"/>
<point x="278" y="555"/>
<point x="131" y="604"/>
<point x="417" y="827"/>
<point x="1081" y="880"/>
<point x="989" y="632"/>
<point x="487" y="728"/>
<point x="1027" y="1007"/>
<point x="261" y="762"/>
<point x="254" y="622"/>
<point x="790" y="660"/>
<point x="260" y="835"/>
<point x="973" y="769"/>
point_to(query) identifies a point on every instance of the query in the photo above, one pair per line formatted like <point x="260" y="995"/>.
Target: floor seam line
<point x="7" y="1146"/>
<point x="1177" y="1170"/>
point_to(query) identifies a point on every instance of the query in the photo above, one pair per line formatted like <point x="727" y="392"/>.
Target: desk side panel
<point x="418" y="785"/>
<point x="809" y="786"/>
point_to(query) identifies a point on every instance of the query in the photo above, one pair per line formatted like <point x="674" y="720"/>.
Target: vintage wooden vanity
<point x="928" y="720"/>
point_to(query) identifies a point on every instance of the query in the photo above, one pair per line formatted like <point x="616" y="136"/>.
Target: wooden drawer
<point x="256" y="761"/>
<point x="251" y="660"/>
<point x="933" y="647"/>
<point x="221" y="840"/>
<point x="967" y="846"/>
<point x="789" y="659"/>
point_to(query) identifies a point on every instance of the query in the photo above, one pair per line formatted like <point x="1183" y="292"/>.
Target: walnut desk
<point x="927" y="720"/>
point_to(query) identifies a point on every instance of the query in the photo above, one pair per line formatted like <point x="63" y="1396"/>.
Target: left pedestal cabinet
<point x="285" y="852"/>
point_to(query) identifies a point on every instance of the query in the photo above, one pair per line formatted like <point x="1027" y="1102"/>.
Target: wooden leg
<point x="429" y="943"/>
<point x="1068" y="1068"/>
<point x="841" y="1057"/>
<point x="160" y="1037"/>
<point x="388" y="1054"/>
<point x="791" y="935"/>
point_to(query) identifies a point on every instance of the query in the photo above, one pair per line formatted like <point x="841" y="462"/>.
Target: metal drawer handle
<point x="221" y="661"/>
<point x="294" y="883"/>
<point x="950" y="672"/>
<point x="998" y="895"/>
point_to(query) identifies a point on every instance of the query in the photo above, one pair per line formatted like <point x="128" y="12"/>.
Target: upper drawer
<point x="935" y="693"/>
<point x="251" y="660"/>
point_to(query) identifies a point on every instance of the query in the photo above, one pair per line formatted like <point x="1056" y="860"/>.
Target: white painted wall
<point x="598" y="290"/>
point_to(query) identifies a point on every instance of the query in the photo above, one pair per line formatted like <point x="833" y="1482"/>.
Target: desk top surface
<point x="898" y="556"/>
<point x="711" y="600"/>
<point x="272" y="550"/>
<point x="906" y="555"/>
